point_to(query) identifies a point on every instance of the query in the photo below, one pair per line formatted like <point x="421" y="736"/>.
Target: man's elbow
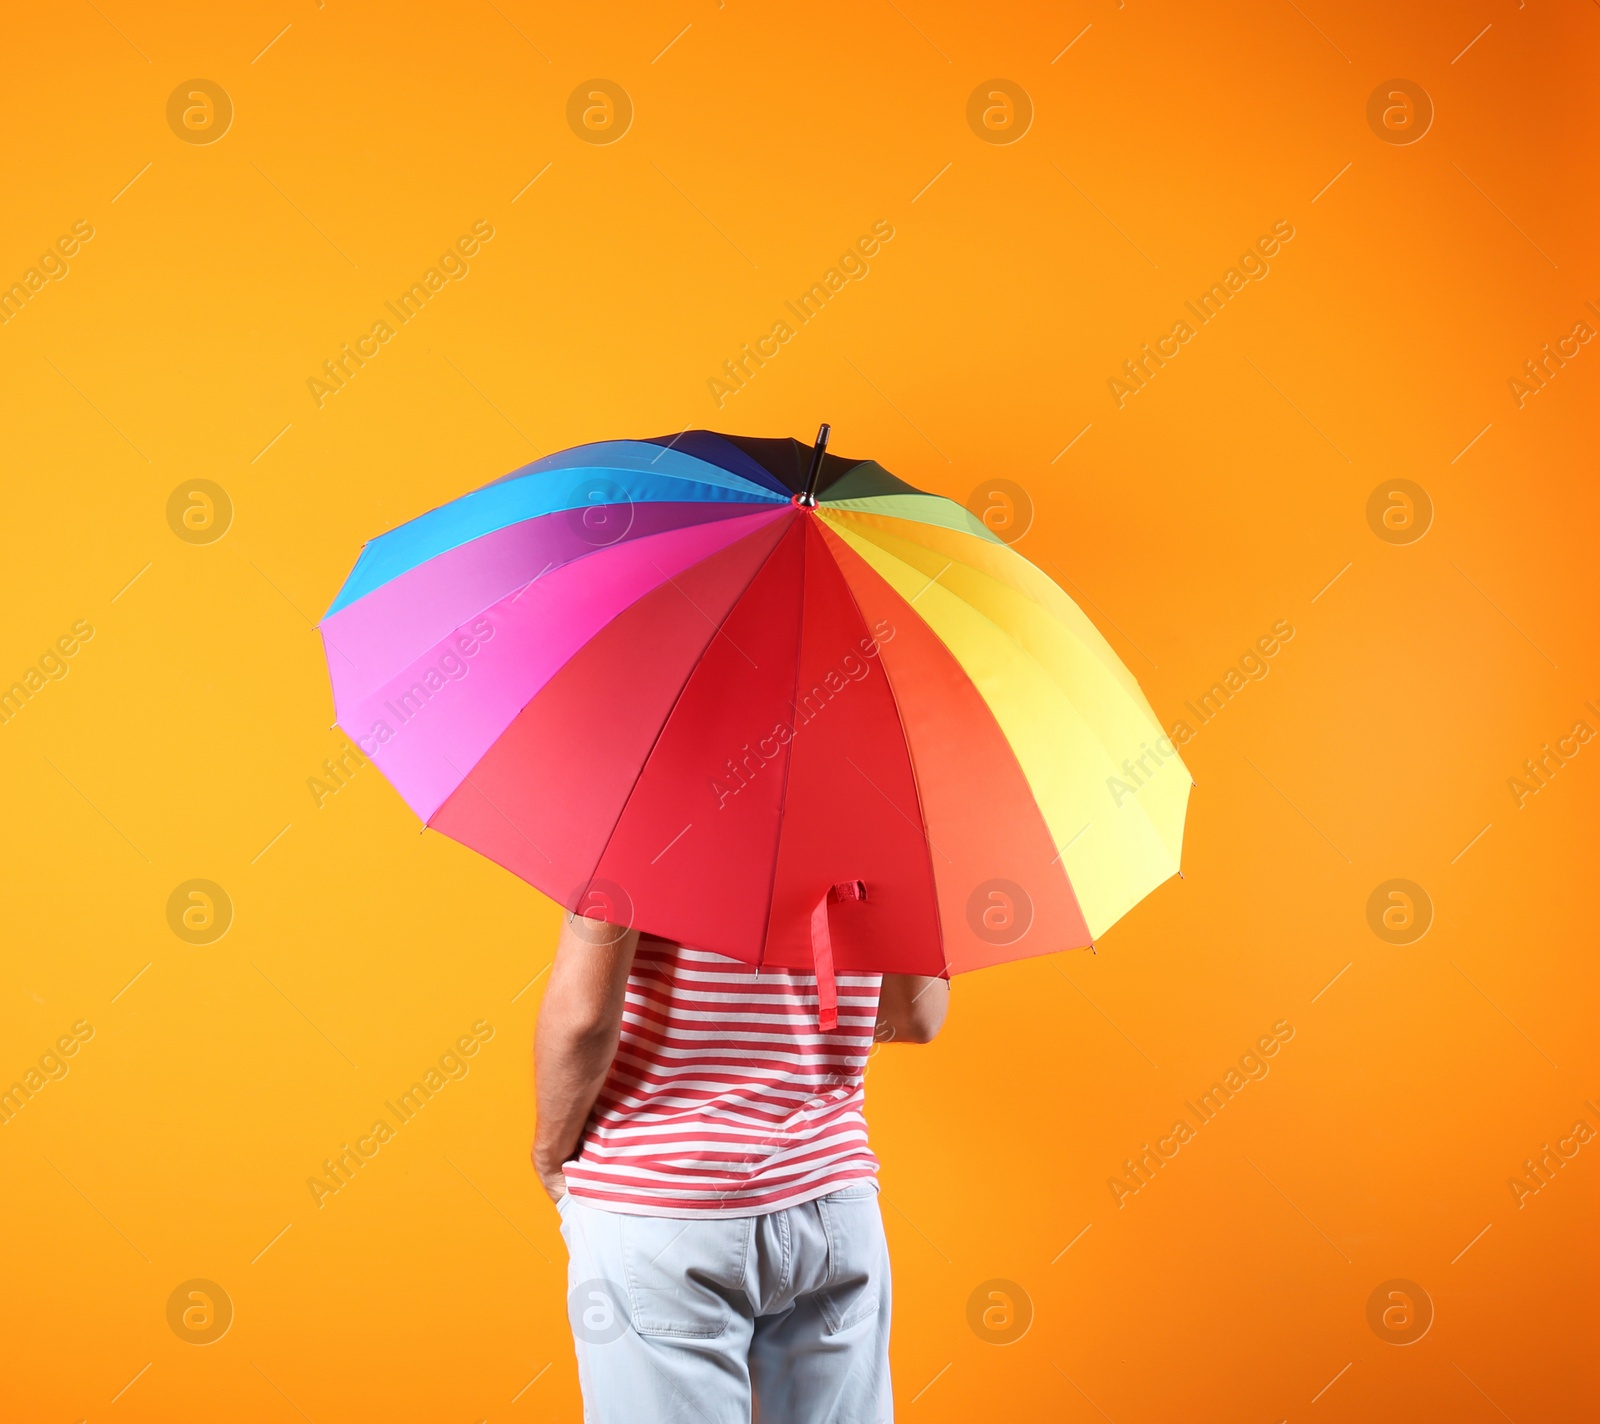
<point x="580" y="1031"/>
<point x="592" y="1035"/>
<point x="924" y="1016"/>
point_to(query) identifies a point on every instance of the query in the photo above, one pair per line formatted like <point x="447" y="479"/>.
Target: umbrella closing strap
<point x="822" y="951"/>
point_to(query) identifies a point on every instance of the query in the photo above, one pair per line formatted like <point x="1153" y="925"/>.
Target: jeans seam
<point x="788" y="1253"/>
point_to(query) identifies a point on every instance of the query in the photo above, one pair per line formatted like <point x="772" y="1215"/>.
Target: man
<point x="704" y="1143"/>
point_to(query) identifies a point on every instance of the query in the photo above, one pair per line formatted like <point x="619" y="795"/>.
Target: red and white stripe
<point x="725" y="1098"/>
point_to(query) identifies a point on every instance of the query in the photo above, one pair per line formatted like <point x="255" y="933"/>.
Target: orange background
<point x="1223" y="497"/>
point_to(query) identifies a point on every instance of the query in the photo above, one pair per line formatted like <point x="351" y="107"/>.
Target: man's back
<point x="725" y="1098"/>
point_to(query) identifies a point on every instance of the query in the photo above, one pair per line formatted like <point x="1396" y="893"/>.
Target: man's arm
<point x="580" y="1022"/>
<point x="911" y="1008"/>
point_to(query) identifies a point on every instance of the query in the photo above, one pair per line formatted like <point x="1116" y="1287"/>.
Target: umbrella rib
<point x="687" y="677"/>
<point x="718" y="631"/>
<point x="516" y="594"/>
<point x="1005" y="633"/>
<point x="466" y="777"/>
<point x="751" y="509"/>
<point x="788" y="761"/>
<point x="874" y="785"/>
<point x="905" y="741"/>
<point x="744" y="485"/>
<point x="1056" y="860"/>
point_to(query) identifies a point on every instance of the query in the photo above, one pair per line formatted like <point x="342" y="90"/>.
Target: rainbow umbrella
<point x="762" y="700"/>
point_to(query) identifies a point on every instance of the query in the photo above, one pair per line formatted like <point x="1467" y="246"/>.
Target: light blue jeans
<point x="687" y="1320"/>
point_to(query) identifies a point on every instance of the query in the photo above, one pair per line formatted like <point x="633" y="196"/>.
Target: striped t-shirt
<point x="725" y="1098"/>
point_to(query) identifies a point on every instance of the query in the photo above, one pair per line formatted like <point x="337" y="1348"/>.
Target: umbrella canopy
<point x="657" y="682"/>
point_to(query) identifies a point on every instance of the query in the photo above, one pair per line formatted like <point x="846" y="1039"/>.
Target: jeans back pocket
<point x="682" y="1274"/>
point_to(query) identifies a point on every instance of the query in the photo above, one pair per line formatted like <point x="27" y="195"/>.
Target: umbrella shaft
<point x="809" y="497"/>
